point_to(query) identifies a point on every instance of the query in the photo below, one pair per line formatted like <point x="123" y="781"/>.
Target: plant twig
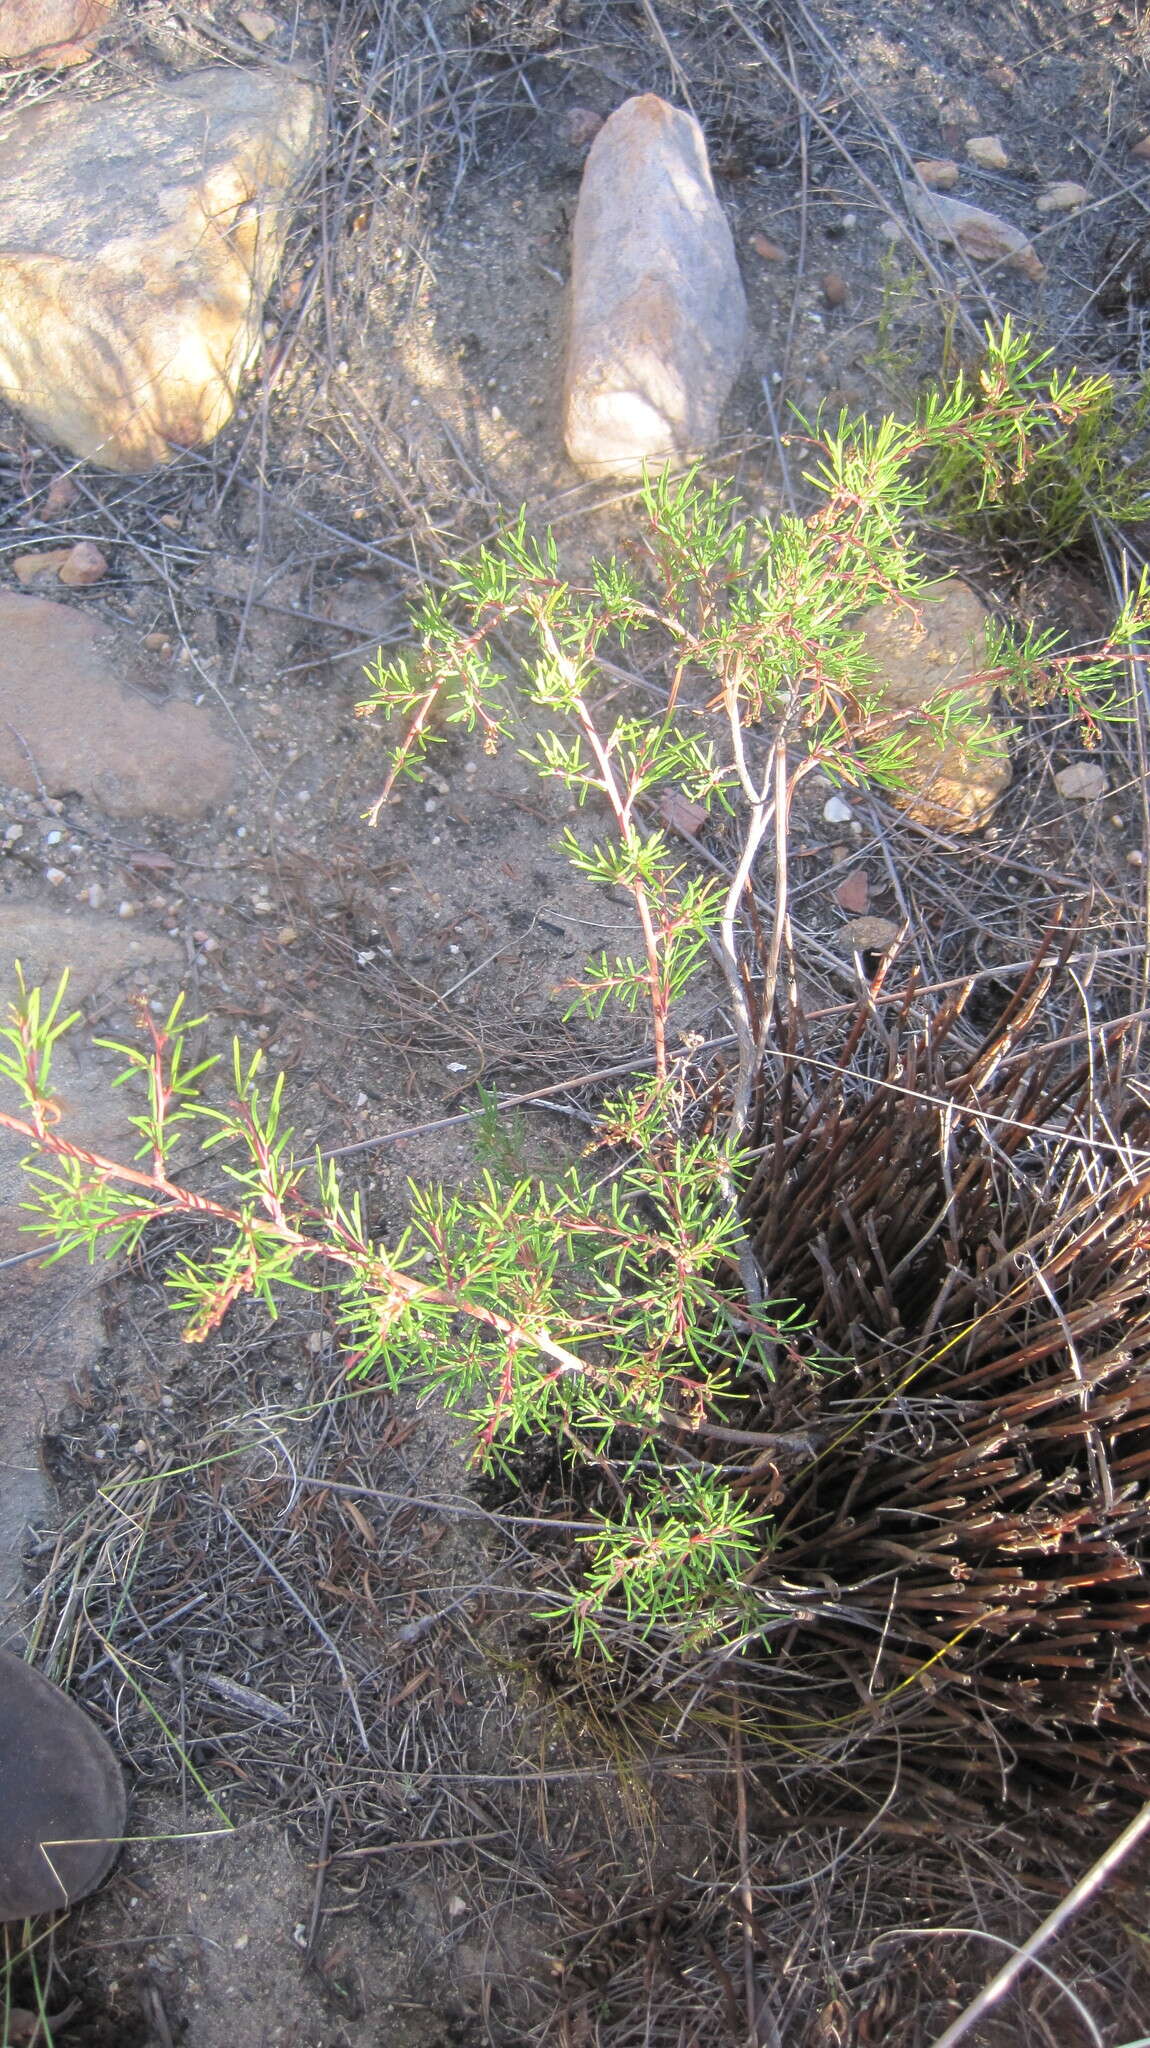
<point x="1087" y="1887"/>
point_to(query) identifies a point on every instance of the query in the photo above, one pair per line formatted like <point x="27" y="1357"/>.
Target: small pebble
<point x="579" y="126"/>
<point x="836" y="812"/>
<point x="259" y="26"/>
<point x="55" y="876"/>
<point x="853" y="892"/>
<point x="1065" y="197"/>
<point x="1085" y="780"/>
<point x="987" y="152"/>
<point x="866" y="935"/>
<point x="835" y="289"/>
<point x="84" y="565"/>
<point x="938" y="173"/>
<point x="1135" y="858"/>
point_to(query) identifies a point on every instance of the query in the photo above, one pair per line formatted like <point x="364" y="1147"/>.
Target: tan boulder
<point x="658" y="315"/>
<point x="51" y="33"/>
<point x="67" y="724"/>
<point x="139" y="234"/>
<point x="936" y="651"/>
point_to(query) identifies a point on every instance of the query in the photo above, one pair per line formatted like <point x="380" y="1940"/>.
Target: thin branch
<point x="1080" y="1894"/>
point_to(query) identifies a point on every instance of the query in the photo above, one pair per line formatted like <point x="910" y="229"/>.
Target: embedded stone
<point x="934" y="653"/>
<point x="1063" y="197"/>
<point x="866" y="935"/>
<point x="984" y="237"/>
<point x="1084" y="781"/>
<point x="658" y="315"/>
<point x="987" y="152"/>
<point x="937" y="173"/>
<point x="35" y="567"/>
<point x="139" y="234"/>
<point x="68" y="724"/>
<point x="54" y="1332"/>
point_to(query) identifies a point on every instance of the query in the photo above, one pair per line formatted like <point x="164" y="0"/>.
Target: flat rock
<point x="938" y="649"/>
<point x="853" y="892"/>
<point x="658" y="315"/>
<point x="1084" y="780"/>
<point x="51" y="33"/>
<point x="67" y="722"/>
<point x="35" y="567"/>
<point x="53" y="1326"/>
<point x="107" y="962"/>
<point x="866" y="935"/>
<point x="139" y="234"/>
<point x="984" y="237"/>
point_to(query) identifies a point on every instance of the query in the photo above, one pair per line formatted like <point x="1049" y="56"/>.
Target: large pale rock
<point x="658" y="315"/>
<point x="68" y="724"/>
<point x="50" y="32"/>
<point x="138" y="236"/>
<point x="940" y="653"/>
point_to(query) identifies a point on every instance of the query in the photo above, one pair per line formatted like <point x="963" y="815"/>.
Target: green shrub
<point x="720" y="665"/>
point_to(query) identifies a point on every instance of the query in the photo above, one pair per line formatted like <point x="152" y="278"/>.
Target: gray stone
<point x="67" y="724"/>
<point x="658" y="316"/>
<point x="1085" y="780"/>
<point x="139" y="234"/>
